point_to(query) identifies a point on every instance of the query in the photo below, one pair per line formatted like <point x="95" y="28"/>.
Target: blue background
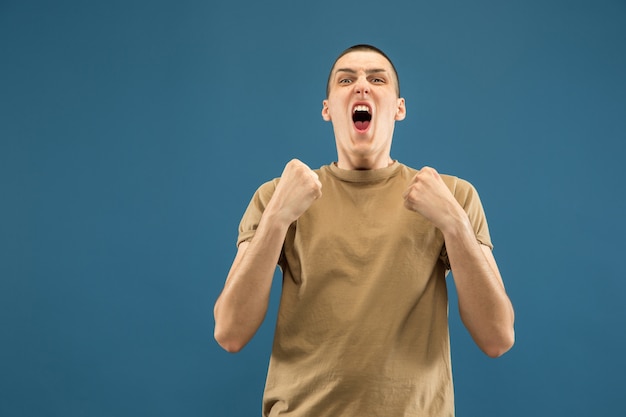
<point x="133" y="134"/>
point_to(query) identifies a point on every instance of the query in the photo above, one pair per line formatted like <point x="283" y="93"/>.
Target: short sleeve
<point x="252" y="216"/>
<point x="468" y="198"/>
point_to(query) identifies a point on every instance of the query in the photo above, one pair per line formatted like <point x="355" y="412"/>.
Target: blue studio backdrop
<point x="134" y="133"/>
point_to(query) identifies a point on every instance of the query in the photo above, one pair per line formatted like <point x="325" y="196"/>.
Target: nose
<point x="361" y="86"/>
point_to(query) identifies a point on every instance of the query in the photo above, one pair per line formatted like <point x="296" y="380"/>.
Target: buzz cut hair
<point x="363" y="47"/>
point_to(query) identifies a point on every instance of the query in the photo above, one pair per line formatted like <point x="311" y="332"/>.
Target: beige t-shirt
<point x="362" y="326"/>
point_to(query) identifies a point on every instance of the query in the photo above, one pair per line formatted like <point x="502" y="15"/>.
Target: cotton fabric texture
<point x="362" y="327"/>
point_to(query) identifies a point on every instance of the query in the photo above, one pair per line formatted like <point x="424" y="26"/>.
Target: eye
<point x="377" y="80"/>
<point x="345" y="81"/>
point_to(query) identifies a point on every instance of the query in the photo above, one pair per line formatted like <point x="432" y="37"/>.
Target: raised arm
<point x="484" y="305"/>
<point x="242" y="305"/>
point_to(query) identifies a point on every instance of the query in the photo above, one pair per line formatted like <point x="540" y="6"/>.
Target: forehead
<point x="362" y="60"/>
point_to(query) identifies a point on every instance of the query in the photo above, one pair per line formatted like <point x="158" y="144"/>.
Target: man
<point x="364" y="245"/>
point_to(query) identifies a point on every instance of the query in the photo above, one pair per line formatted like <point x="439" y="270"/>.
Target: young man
<point x="364" y="245"/>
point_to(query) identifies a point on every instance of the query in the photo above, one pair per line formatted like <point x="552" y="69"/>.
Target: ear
<point x="401" y="112"/>
<point x="325" y="111"/>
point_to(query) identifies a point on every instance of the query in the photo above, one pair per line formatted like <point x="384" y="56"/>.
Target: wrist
<point x="275" y="218"/>
<point x="458" y="225"/>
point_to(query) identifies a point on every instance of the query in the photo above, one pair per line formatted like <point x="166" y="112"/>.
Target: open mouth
<point x="361" y="116"/>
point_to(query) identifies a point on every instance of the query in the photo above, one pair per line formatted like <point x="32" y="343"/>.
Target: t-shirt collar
<point x="365" y="175"/>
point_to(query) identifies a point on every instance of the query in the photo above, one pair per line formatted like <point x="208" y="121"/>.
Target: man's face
<point x="363" y="106"/>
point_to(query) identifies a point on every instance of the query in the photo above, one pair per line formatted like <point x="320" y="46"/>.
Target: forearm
<point x="241" y="308"/>
<point x="484" y="305"/>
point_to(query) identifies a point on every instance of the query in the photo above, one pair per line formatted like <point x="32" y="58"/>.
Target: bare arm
<point x="484" y="305"/>
<point x="242" y="305"/>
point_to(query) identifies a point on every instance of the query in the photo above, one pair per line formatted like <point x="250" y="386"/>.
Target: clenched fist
<point x="429" y="196"/>
<point x="298" y="187"/>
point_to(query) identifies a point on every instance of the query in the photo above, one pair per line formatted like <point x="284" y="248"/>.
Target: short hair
<point x="363" y="47"/>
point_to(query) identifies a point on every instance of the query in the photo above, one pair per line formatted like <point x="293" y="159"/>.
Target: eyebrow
<point x="369" y="71"/>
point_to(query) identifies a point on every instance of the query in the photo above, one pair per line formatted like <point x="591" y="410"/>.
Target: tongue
<point x="362" y="125"/>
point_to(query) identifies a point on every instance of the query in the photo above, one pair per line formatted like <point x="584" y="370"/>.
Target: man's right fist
<point x="298" y="187"/>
